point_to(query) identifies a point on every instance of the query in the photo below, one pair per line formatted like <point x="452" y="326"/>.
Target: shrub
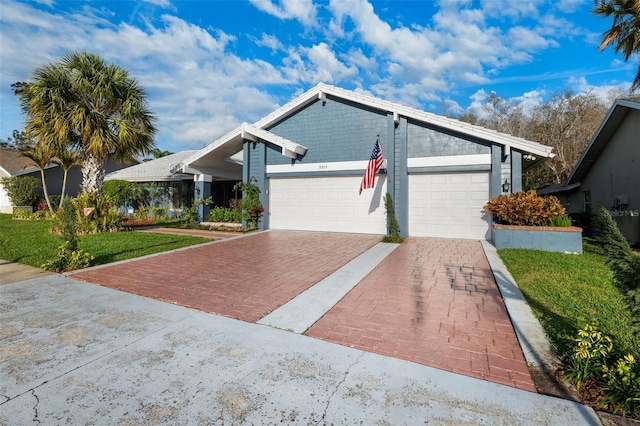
<point x="562" y="221"/>
<point x="590" y="353"/>
<point x="620" y="382"/>
<point x="225" y="214"/>
<point x="22" y="190"/>
<point x="252" y="209"/>
<point x="68" y="259"/>
<point x="524" y="208"/>
<point x="393" y="228"/>
<point x="191" y="216"/>
<point x="119" y="191"/>
<point x="622" y="260"/>
<point x="95" y="213"/>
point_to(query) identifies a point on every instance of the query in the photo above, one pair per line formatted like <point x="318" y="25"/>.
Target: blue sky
<point x="208" y="66"/>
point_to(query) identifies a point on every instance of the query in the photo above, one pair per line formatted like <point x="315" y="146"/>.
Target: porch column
<point x="516" y="171"/>
<point x="401" y="184"/>
<point x="495" y="185"/>
<point x="202" y="191"/>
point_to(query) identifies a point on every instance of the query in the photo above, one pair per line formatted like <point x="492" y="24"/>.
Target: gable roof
<point x="159" y="170"/>
<point x="232" y="142"/>
<point x="12" y="162"/>
<point x="616" y="115"/>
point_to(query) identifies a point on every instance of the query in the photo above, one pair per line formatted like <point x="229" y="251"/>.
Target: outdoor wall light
<point x="506" y="186"/>
<point x="198" y="192"/>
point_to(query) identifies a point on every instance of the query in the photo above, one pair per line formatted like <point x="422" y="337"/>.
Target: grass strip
<point x="566" y="291"/>
<point x="29" y="242"/>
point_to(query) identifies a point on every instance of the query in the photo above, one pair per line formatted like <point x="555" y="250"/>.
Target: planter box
<point x="545" y="238"/>
<point x="23" y="208"/>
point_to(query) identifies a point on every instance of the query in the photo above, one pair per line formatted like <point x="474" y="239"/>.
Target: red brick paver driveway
<point x="435" y="302"/>
<point x="243" y="278"/>
<point x="432" y="301"/>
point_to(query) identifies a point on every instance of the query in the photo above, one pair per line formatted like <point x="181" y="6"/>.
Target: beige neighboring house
<point x="608" y="171"/>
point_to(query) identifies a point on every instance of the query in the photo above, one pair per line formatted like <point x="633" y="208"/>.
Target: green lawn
<point x="567" y="290"/>
<point x="30" y="242"/>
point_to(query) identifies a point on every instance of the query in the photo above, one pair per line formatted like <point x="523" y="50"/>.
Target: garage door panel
<point x="458" y="199"/>
<point x="326" y="204"/>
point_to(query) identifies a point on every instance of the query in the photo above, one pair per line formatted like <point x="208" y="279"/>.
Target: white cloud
<point x="162" y="3"/>
<point x="301" y="10"/>
<point x="270" y="42"/>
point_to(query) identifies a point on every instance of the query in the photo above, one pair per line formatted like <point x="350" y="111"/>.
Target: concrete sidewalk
<point x="78" y="353"/>
<point x="11" y="272"/>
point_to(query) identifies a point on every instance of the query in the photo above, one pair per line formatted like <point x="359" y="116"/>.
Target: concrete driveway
<point x="78" y="353"/>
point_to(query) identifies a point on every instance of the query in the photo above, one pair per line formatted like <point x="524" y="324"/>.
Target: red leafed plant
<point x="525" y="208"/>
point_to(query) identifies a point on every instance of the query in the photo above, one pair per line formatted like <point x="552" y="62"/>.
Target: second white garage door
<point x="327" y="204"/>
<point x="449" y="205"/>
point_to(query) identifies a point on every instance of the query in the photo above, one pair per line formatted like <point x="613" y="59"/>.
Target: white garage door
<point x="449" y="205"/>
<point x="327" y="204"/>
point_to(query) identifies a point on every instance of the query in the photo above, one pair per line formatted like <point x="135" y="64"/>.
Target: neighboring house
<point x="309" y="156"/>
<point x="608" y="171"/>
<point x="12" y="164"/>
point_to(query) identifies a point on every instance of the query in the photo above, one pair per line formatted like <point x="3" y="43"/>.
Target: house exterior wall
<point x="615" y="173"/>
<point x="338" y="131"/>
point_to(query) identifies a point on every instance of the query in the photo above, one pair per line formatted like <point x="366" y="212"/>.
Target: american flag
<point x="375" y="162"/>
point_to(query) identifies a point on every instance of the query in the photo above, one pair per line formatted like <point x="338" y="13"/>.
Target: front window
<point x="587" y="202"/>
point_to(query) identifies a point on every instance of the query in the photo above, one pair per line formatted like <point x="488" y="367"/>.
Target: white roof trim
<point x="289" y="148"/>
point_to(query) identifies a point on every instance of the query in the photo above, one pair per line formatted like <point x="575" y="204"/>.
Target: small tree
<point x="41" y="156"/>
<point x="22" y="190"/>
<point x="393" y="228"/>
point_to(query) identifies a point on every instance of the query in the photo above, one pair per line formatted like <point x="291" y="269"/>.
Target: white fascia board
<point x="337" y="166"/>
<point x="212" y="146"/>
<point x="284" y="143"/>
<point x="450" y="160"/>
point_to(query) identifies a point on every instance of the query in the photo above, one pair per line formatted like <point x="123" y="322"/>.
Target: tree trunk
<point x="93" y="171"/>
<point x="44" y="189"/>
<point x="64" y="187"/>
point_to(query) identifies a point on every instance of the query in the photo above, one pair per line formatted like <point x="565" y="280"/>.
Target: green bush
<point x="225" y="214"/>
<point x="252" y="209"/>
<point x="22" y="190"/>
<point x="562" y="221"/>
<point x="622" y="260"/>
<point x="119" y="191"/>
<point x="95" y="214"/>
<point x="69" y="260"/>
<point x="525" y="208"/>
<point x="620" y="379"/>
<point x="393" y="228"/>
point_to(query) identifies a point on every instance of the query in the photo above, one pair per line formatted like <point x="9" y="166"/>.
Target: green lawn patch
<point x="566" y="291"/>
<point x="29" y="242"/>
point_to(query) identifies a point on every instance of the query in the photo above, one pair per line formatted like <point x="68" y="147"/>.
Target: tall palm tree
<point x="41" y="156"/>
<point x="92" y="106"/>
<point x="624" y="34"/>
<point x="66" y="159"/>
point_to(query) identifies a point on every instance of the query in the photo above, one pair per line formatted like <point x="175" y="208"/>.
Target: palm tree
<point x="624" y="34"/>
<point x="66" y="159"/>
<point x="41" y="156"/>
<point x="84" y="103"/>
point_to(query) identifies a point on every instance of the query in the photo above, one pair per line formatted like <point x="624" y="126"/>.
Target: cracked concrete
<point x="93" y="355"/>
